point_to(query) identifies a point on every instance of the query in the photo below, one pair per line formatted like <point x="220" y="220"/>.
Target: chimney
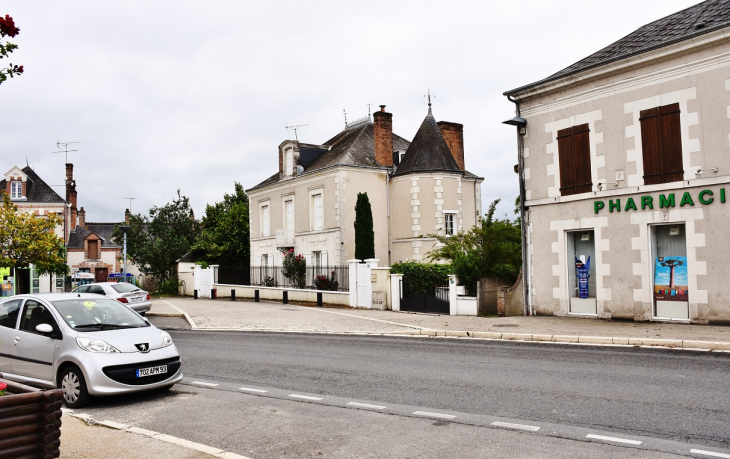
<point x="383" y="137"/>
<point x="74" y="216"/>
<point x="82" y="217"/>
<point x="72" y="198"/>
<point x="453" y="134"/>
<point x="126" y="216"/>
<point x="69" y="180"/>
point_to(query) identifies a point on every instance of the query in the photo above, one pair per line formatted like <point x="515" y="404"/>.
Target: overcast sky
<point x="195" y="95"/>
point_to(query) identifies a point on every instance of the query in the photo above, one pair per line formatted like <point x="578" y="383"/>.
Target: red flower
<point x="19" y="69"/>
<point x="3" y="386"/>
<point x="7" y="26"/>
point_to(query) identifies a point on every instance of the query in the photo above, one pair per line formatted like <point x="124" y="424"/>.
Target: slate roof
<point x="696" y="20"/>
<point x="103" y="230"/>
<point x="354" y="146"/>
<point x="36" y="190"/>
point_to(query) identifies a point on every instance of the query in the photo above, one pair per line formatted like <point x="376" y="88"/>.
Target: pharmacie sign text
<point x="704" y="197"/>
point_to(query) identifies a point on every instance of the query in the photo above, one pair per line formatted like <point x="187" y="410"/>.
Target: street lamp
<point x="125" y="229"/>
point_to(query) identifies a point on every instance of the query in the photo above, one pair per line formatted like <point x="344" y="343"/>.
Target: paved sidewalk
<point x="224" y="314"/>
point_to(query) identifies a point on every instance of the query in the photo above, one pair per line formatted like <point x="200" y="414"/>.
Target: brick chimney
<point x="82" y="217"/>
<point x="74" y="217"/>
<point x="453" y="134"/>
<point x="383" y="137"/>
<point x="127" y="214"/>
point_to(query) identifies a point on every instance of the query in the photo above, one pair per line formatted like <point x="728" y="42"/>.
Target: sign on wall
<point x="670" y="279"/>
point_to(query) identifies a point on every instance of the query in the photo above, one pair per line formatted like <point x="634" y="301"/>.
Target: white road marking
<point x="201" y="383"/>
<point x="305" y="397"/>
<point x="709" y="453"/>
<point x="389" y="322"/>
<point x="614" y="439"/>
<point x="516" y="426"/>
<point x="248" y="389"/>
<point x="366" y="405"/>
<point x="187" y="316"/>
<point x="434" y="415"/>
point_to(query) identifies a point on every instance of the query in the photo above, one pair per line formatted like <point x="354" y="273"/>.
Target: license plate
<point x="151" y="371"/>
<point x="136" y="298"/>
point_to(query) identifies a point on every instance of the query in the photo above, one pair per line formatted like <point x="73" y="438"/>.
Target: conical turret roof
<point x="428" y="151"/>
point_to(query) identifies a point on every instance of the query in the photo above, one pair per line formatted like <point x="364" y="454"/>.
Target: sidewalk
<point x="224" y="314"/>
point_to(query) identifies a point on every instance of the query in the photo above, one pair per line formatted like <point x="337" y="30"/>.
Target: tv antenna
<point x="64" y="146"/>
<point x="294" y="128"/>
<point x="130" y="204"/>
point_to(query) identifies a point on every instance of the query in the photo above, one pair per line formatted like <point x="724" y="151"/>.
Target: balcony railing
<point x="285" y="238"/>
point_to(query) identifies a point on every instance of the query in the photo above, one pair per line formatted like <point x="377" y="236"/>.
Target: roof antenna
<point x="65" y="150"/>
<point x="130" y="204"/>
<point x="369" y="111"/>
<point x="294" y="128"/>
<point x="26" y="161"/>
<point x="345" y="113"/>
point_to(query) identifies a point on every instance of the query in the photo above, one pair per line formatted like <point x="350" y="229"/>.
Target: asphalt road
<point x="675" y="395"/>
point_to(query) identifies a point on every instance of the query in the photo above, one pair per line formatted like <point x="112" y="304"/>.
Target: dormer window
<point x="16" y="190"/>
<point x="289" y="161"/>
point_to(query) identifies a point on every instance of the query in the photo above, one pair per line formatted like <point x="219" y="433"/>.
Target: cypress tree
<point x="364" y="235"/>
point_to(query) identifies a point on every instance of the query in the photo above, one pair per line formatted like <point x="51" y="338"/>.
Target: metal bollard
<point x="256" y="296"/>
<point x="285" y="297"/>
<point x="195" y="294"/>
<point x="233" y="294"/>
<point x="319" y="299"/>
<point x="213" y="293"/>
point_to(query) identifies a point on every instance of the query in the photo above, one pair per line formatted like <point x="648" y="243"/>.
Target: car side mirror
<point x="44" y="328"/>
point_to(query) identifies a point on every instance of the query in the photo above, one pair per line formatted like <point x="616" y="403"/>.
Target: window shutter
<point x="671" y="143"/>
<point x="318" y="212"/>
<point x="651" y="146"/>
<point x="566" y="161"/>
<point x="265" y="217"/>
<point x="582" y="158"/>
<point x="324" y="259"/>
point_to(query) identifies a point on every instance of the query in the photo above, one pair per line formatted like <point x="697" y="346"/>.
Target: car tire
<point x="73" y="384"/>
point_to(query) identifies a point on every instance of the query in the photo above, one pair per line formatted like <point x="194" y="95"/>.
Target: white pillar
<point x="353" y="281"/>
<point x="395" y="286"/>
<point x="453" y="309"/>
<point x="371" y="262"/>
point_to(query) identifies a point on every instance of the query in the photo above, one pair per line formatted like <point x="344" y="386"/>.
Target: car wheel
<point x="73" y="384"/>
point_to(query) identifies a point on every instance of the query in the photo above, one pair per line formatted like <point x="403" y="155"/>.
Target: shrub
<point x="294" y="268"/>
<point x="269" y="281"/>
<point x="326" y="283"/>
<point x="169" y="286"/>
<point x="421" y="277"/>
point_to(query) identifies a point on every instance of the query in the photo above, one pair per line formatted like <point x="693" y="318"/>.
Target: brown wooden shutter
<point x="574" y="152"/>
<point x="566" y="158"/>
<point x="661" y="144"/>
<point x="93" y="250"/>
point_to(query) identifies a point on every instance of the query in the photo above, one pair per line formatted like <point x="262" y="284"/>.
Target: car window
<point x="9" y="313"/>
<point x="95" y="310"/>
<point x="96" y="289"/>
<point x="124" y="287"/>
<point x="82" y="289"/>
<point x="35" y="314"/>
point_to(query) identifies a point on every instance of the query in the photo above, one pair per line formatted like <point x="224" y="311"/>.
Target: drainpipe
<point x="523" y="224"/>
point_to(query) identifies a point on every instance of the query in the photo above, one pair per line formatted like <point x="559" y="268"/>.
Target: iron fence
<point x="334" y="278"/>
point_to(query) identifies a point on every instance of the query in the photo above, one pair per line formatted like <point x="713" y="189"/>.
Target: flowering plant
<point x="294" y="268"/>
<point x="326" y="283"/>
<point x="7" y="28"/>
<point x="3" y="386"/>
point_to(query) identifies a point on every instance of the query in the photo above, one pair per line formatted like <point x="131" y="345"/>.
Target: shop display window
<point x="669" y="268"/>
<point x="581" y="271"/>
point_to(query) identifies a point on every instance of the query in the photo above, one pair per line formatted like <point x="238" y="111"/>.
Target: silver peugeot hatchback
<point x="85" y="344"/>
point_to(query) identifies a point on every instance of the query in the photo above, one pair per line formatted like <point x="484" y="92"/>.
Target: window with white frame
<point x="16" y="190"/>
<point x="289" y="162"/>
<point x="265" y="221"/>
<point x="450" y="227"/>
<point x="317" y="212"/>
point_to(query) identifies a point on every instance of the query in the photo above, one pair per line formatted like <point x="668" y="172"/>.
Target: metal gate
<point x="425" y="294"/>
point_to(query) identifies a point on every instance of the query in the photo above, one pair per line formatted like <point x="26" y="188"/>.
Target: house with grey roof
<point x="624" y="173"/>
<point x="30" y="193"/>
<point x="415" y="188"/>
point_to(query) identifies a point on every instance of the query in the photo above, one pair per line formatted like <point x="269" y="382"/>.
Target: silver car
<point x="85" y="344"/>
<point x="129" y="294"/>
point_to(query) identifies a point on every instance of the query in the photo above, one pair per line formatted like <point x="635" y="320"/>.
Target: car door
<point x="9" y="312"/>
<point x="34" y="351"/>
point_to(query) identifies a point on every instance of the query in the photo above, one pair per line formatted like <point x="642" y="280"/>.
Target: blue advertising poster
<point x="670" y="279"/>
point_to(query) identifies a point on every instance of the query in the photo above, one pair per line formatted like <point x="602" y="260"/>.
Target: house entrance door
<point x="101" y="274"/>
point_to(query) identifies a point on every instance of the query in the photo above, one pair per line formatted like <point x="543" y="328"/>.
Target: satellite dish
<point x="300" y="170"/>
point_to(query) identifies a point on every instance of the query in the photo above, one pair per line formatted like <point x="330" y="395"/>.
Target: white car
<point x="88" y="345"/>
<point x="129" y="294"/>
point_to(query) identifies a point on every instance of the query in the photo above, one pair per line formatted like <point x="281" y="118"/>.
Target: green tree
<point x="28" y="239"/>
<point x="156" y="241"/>
<point x="364" y="235"/>
<point x="492" y="248"/>
<point x="8" y="29"/>
<point x="224" y="239"/>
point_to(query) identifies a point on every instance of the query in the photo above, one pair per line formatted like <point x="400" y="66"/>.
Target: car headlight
<point x="95" y="345"/>
<point x="166" y="338"/>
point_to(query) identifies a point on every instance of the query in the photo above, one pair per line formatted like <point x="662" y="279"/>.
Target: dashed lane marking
<point x="207" y="384"/>
<point x="509" y="425"/>
<point x="709" y="453"/>
<point x="434" y="415"/>
<point x="248" y="389"/>
<point x="305" y="397"/>
<point x="366" y="405"/>
<point x="614" y="439"/>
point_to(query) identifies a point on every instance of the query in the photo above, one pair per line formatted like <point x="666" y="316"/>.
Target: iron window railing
<point x="273" y="276"/>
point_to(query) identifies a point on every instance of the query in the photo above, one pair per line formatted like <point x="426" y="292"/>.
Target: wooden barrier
<point x="30" y="422"/>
